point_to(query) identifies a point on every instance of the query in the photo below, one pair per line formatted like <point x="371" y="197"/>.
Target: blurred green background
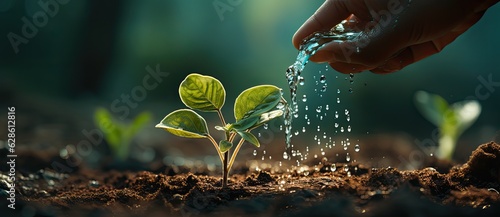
<point x="91" y="52"/>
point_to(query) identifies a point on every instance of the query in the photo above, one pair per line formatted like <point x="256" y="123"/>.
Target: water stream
<point x="293" y="74"/>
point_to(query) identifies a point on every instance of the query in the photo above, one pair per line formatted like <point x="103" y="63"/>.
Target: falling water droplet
<point x="296" y="133"/>
<point x="336" y="114"/>
<point x="306" y="108"/>
<point x="338" y="90"/>
<point x="338" y="100"/>
<point x="346" y="167"/>
<point x="293" y="72"/>
<point x="301" y="81"/>
<point x="356" y="148"/>
<point x="348" y="157"/>
<point x="323" y="89"/>
<point x="303" y="129"/>
<point x="327" y="108"/>
<point x="336" y="125"/>
<point x="266" y="126"/>
<point x="254" y="152"/>
<point x="319" y="109"/>
<point x="322" y="79"/>
<point x="304" y="98"/>
<point x="285" y="155"/>
<point x="342" y="129"/>
<point x="349" y="128"/>
<point x="259" y="134"/>
<point x="333" y="168"/>
<point x="350" y="90"/>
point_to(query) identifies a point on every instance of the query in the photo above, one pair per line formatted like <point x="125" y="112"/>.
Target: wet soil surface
<point x="471" y="189"/>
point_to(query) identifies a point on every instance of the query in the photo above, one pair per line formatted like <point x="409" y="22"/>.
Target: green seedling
<point x="253" y="107"/>
<point x="118" y="134"/>
<point x="451" y="120"/>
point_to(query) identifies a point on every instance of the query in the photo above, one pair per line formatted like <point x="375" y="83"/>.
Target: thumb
<point x="328" y="15"/>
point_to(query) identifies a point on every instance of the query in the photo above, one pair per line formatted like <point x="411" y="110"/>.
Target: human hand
<point x="394" y="33"/>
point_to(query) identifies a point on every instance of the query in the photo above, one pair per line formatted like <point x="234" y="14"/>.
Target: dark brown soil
<point x="470" y="189"/>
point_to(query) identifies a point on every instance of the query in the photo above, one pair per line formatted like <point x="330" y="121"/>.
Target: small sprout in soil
<point x="253" y="108"/>
<point x="451" y="120"/>
<point x="117" y="134"/>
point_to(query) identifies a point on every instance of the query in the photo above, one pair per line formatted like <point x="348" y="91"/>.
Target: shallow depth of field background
<point x="92" y="52"/>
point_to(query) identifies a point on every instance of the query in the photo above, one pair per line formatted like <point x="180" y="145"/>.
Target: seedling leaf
<point x="219" y="128"/>
<point x="266" y="117"/>
<point x="139" y="122"/>
<point x="112" y="131"/>
<point x="467" y="113"/>
<point x="249" y="137"/>
<point x="204" y="93"/>
<point x="225" y="145"/>
<point x="185" y="123"/>
<point x="433" y="107"/>
<point x="256" y="101"/>
<point x="246" y="123"/>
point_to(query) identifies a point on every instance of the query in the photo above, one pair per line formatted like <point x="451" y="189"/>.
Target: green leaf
<point x="466" y="113"/>
<point x="201" y="92"/>
<point x="219" y="128"/>
<point x="433" y="107"/>
<point x="245" y="123"/>
<point x="185" y="123"/>
<point x="249" y="137"/>
<point x="138" y="123"/>
<point x="112" y="131"/>
<point x="266" y="117"/>
<point x="256" y="101"/>
<point x="225" y="145"/>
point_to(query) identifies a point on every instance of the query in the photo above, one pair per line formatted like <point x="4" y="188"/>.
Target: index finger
<point x="328" y="15"/>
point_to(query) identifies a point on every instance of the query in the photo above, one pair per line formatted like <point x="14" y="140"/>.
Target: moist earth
<point x="470" y="189"/>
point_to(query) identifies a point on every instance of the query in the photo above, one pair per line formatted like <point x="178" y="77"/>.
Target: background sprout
<point x="117" y="134"/>
<point x="452" y="120"/>
<point x="252" y="108"/>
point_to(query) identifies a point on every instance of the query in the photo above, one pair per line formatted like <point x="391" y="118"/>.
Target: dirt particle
<point x="484" y="163"/>
<point x="262" y="178"/>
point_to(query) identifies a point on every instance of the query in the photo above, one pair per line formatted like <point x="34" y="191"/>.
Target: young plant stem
<point x="225" y="169"/>
<point x="216" y="147"/>
<point x="221" y="117"/>
<point x="231" y="137"/>
<point x="236" y="150"/>
<point x="446" y="147"/>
